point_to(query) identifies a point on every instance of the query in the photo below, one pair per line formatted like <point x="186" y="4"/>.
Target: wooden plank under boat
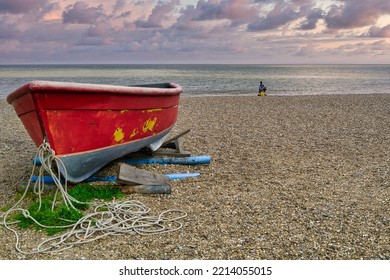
<point x="90" y="125"/>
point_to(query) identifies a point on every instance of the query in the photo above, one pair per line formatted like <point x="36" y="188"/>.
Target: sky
<point x="194" y="31"/>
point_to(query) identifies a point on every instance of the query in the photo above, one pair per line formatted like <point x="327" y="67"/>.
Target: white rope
<point x="113" y="218"/>
<point x="47" y="156"/>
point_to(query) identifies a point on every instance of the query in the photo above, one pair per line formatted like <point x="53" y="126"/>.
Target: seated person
<point x="262" y="89"/>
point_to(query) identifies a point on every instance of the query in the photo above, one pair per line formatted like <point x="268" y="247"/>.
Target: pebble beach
<point x="291" y="177"/>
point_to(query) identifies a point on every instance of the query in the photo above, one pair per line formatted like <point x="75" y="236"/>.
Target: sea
<point x="212" y="79"/>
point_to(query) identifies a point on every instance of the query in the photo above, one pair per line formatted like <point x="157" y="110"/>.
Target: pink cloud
<point x="225" y="9"/>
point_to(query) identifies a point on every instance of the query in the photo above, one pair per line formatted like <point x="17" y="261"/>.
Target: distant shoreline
<point x="213" y="79"/>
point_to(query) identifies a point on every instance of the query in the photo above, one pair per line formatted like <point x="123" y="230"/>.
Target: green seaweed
<point x="87" y="192"/>
<point x="63" y="215"/>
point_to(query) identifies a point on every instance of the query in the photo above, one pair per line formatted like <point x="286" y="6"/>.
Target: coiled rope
<point x="112" y="218"/>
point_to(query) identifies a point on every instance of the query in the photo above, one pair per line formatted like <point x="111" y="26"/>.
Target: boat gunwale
<point x="51" y="87"/>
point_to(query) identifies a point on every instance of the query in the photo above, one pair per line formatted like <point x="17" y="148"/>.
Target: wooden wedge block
<point x="131" y="175"/>
<point x="175" y="138"/>
<point x="175" y="145"/>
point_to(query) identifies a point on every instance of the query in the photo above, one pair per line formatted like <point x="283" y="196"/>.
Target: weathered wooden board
<point x="131" y="175"/>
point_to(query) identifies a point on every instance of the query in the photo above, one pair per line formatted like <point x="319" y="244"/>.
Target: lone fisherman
<point x="262" y="89"/>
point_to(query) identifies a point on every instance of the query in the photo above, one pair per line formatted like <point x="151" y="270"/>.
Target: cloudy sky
<point x="194" y="31"/>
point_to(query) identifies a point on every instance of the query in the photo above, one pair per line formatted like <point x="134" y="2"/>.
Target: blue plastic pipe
<point x="176" y="176"/>
<point x="193" y="160"/>
<point x="180" y="160"/>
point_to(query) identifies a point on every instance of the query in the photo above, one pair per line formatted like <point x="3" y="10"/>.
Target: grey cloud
<point x="21" y="6"/>
<point x="379" y="32"/>
<point x="312" y="19"/>
<point x="351" y="13"/>
<point x="119" y="4"/>
<point x="8" y="31"/>
<point x="281" y="14"/>
<point x="158" y="15"/>
<point x="82" y="14"/>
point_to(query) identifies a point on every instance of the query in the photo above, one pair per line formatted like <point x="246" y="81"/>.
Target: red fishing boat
<point x="89" y="125"/>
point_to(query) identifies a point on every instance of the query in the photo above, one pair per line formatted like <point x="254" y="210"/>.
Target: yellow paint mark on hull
<point x="153" y="110"/>
<point x="149" y="124"/>
<point x="134" y="133"/>
<point x="119" y="135"/>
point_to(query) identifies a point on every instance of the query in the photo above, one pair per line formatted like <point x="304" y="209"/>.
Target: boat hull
<point x="90" y="125"/>
<point x="80" y="166"/>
